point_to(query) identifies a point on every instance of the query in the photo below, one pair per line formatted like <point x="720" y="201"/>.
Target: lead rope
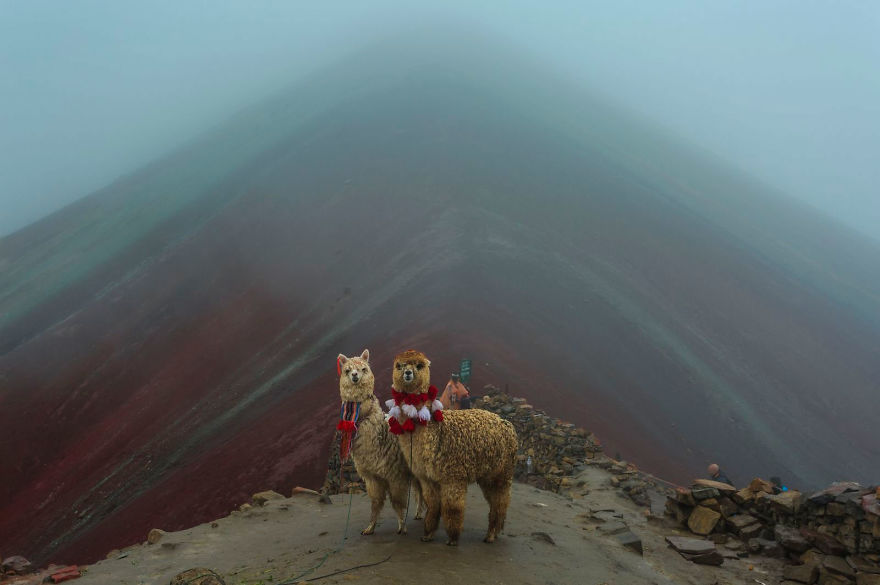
<point x="409" y="489"/>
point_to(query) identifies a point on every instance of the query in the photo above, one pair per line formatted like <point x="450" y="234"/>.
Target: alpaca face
<point x="356" y="378"/>
<point x="412" y="372"/>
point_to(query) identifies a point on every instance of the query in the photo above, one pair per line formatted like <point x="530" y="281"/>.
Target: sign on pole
<point x="465" y="370"/>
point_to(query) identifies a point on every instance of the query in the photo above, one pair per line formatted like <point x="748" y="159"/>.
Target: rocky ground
<point x="591" y="533"/>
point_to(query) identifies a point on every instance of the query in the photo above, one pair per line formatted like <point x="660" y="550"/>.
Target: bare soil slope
<point x="548" y="540"/>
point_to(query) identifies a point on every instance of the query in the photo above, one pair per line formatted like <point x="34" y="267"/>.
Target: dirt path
<point x="549" y="539"/>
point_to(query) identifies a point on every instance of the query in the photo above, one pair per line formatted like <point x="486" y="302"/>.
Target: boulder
<point x="711" y="558"/>
<point x="771" y="548"/>
<point x="835" y="509"/>
<point x="704" y="493"/>
<point x="787" y="502"/>
<point x="260" y="499"/>
<point x="17" y="564"/>
<point x="790" y="538"/>
<point x="751" y="531"/>
<point x="838" y="566"/>
<point x="822" y="497"/>
<point x="690" y="545"/>
<point x="801" y="573"/>
<point x="703" y="520"/>
<point x="740" y="522"/>
<point x="761" y="485"/>
<point x="629" y="540"/>
<point x="198" y="576"/>
<point x="612" y="528"/>
<point x="743" y="496"/>
<point x="871" y="504"/>
<point x="724" y="488"/>
<point x="824" y="542"/>
<point x="685" y="497"/>
<point x="862" y="565"/>
<point x="812" y="557"/>
<point x="712" y="504"/>
<point x="155" y="535"/>
<point x="677" y="510"/>
<point x="727" y="507"/>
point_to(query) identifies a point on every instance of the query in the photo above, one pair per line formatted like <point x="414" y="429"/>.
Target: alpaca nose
<point x="354" y="377"/>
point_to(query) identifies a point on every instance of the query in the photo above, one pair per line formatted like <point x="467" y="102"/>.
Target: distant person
<point x="778" y="486"/>
<point x="455" y="396"/>
<point x="716" y="474"/>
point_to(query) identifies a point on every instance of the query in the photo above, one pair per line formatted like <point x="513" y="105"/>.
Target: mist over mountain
<point x="167" y="344"/>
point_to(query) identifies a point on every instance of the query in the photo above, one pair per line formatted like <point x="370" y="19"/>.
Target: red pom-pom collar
<point x="401" y="398"/>
<point x="415" y="400"/>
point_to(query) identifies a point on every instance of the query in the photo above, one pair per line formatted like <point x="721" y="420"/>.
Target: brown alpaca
<point x="375" y="451"/>
<point x="446" y="451"/>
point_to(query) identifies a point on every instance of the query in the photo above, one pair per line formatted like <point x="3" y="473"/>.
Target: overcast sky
<point x="787" y="90"/>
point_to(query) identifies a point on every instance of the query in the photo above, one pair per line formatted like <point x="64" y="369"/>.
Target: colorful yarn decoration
<point x="347" y="425"/>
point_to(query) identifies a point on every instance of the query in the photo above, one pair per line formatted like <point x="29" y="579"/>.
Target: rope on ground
<point x="323" y="560"/>
<point x="385" y="560"/>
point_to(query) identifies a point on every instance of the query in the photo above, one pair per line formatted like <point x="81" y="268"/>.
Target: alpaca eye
<point x="420" y="366"/>
<point x="399" y="366"/>
<point x="347" y="370"/>
<point x="364" y="370"/>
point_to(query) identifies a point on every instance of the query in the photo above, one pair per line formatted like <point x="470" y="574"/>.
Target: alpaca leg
<point x="497" y="493"/>
<point x="431" y="493"/>
<point x="399" y="491"/>
<point x="376" y="489"/>
<point x="419" y="498"/>
<point x="452" y="500"/>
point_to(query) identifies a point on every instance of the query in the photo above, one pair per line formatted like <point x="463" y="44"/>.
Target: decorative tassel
<point x="438" y="415"/>
<point x="389" y="404"/>
<point x="424" y="414"/>
<point x="409" y="426"/>
<point x="436" y="405"/>
<point x="394" y="426"/>
<point x="409" y="410"/>
<point x="347" y="425"/>
<point x="395" y="411"/>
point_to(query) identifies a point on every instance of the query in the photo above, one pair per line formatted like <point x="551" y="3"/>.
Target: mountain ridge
<point x="186" y="331"/>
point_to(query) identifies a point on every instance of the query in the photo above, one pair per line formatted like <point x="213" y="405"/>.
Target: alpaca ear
<point x="366" y="355"/>
<point x="427" y="362"/>
<point x="341" y="359"/>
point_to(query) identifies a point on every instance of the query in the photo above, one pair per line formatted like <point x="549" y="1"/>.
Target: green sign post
<point x="465" y="370"/>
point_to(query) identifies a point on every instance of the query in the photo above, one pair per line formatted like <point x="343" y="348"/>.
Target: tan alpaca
<point x="375" y="451"/>
<point x="446" y="451"/>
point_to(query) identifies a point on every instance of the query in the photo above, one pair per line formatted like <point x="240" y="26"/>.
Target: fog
<point x="788" y="91"/>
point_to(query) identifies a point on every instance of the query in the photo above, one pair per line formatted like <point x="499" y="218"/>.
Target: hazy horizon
<point x="787" y="92"/>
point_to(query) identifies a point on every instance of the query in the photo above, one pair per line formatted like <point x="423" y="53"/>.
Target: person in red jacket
<point x="455" y="396"/>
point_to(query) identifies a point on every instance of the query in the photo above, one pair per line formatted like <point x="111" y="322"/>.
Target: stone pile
<point x="558" y="450"/>
<point x="341" y="476"/>
<point x="831" y="537"/>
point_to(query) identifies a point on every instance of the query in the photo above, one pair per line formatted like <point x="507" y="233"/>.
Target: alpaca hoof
<point x="368" y="530"/>
<point x="451" y="542"/>
<point x="401" y="530"/>
<point x="419" y="517"/>
<point x="427" y="538"/>
<point x="490" y="538"/>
